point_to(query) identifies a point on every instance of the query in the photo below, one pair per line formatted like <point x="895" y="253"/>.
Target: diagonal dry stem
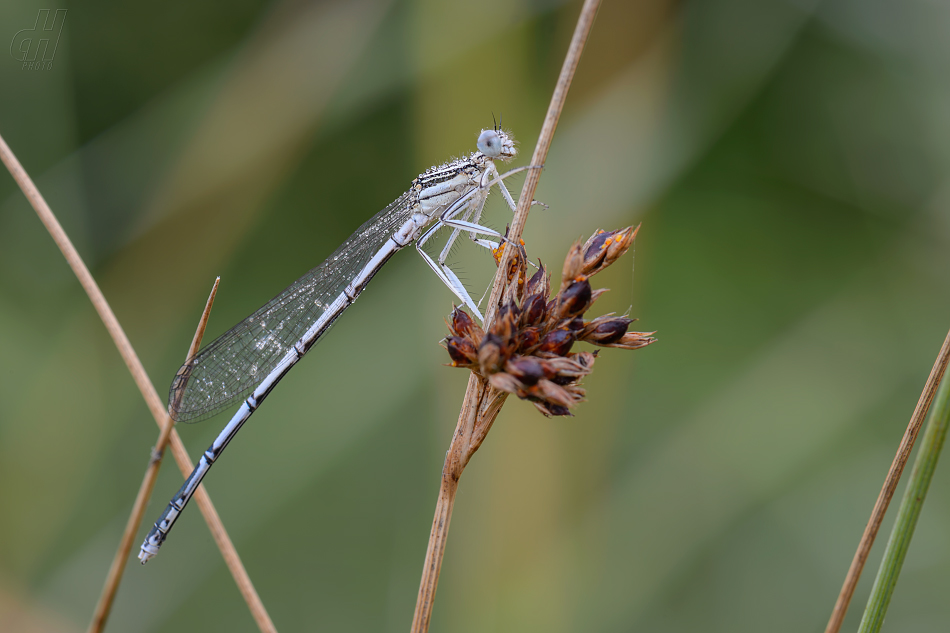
<point x="114" y="577"/>
<point x="152" y="400"/>
<point x="887" y="491"/>
<point x="482" y="402"/>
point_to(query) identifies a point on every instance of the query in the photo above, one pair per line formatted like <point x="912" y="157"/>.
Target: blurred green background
<point x="788" y="159"/>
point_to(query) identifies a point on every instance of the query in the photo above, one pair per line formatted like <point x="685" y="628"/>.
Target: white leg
<point x="474" y="228"/>
<point x="455" y="233"/>
<point x="465" y="207"/>
<point x="448" y="277"/>
<point x="476" y="211"/>
<point x="504" y="192"/>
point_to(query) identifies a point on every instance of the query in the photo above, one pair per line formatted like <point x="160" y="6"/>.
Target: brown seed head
<point x="527" y="351"/>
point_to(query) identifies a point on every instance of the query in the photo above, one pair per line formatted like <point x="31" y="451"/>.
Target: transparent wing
<point x="228" y="369"/>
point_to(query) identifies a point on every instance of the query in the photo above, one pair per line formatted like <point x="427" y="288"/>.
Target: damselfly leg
<point x="469" y="206"/>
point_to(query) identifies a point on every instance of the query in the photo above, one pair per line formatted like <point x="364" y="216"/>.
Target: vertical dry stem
<point x="114" y="577"/>
<point x="152" y="400"/>
<point x="887" y="491"/>
<point x="482" y="402"/>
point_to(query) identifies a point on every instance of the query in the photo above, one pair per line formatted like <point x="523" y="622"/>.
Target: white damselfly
<point x="250" y="359"/>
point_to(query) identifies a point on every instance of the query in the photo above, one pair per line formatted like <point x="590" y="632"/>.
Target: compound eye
<point x="489" y="143"/>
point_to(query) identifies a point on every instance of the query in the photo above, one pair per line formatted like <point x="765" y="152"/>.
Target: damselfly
<point x="248" y="360"/>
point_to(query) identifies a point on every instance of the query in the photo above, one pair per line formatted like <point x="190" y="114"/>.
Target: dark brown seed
<point x="526" y="369"/>
<point x="509" y="311"/>
<point x="594" y="249"/>
<point x="461" y="350"/>
<point x="464" y="325"/>
<point x="527" y="339"/>
<point x="603" y="249"/>
<point x="534" y="310"/>
<point x="576" y="324"/>
<point x="557" y="342"/>
<point x="558" y="410"/>
<point x="574" y="300"/>
<point x="605" y="330"/>
<point x="490" y="354"/>
<point x="540" y="282"/>
<point x="550" y="410"/>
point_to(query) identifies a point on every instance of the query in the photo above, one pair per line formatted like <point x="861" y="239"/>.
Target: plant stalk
<point x="909" y="511"/>
<point x="481" y="403"/>
<point x="887" y="490"/>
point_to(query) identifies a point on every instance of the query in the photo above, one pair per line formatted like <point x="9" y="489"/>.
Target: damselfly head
<point x="496" y="144"/>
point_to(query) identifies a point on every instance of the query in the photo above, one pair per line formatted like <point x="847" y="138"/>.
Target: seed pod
<point x="534" y="310"/>
<point x="550" y="392"/>
<point x="505" y="328"/>
<point x="540" y="282"/>
<point x="491" y="355"/>
<point x="633" y="340"/>
<point x="527" y="369"/>
<point x="509" y="310"/>
<point x="573" y="265"/>
<point x="552" y="410"/>
<point x="585" y="359"/>
<point x="557" y="342"/>
<point x="576" y="325"/>
<point x="527" y="339"/>
<point x="574" y="300"/>
<point x="464" y="325"/>
<point x="604" y="248"/>
<point x="594" y="246"/>
<point x="505" y="382"/>
<point x="605" y="330"/>
<point x="567" y="369"/>
<point x="461" y="350"/>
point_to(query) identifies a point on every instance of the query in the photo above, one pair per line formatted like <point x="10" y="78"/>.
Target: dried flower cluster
<point x="527" y="350"/>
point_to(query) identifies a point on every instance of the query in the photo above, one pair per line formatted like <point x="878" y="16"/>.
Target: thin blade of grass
<point x="149" y="394"/>
<point x="908" y="512"/>
<point x="114" y="577"/>
<point x="887" y="491"/>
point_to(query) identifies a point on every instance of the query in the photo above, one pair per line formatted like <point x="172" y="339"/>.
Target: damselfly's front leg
<point x="446" y="274"/>
<point x="469" y="206"/>
<point x="473" y="212"/>
<point x="466" y="205"/>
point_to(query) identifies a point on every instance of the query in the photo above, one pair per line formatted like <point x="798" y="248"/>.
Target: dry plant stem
<point x="887" y="491"/>
<point x="114" y="577"/>
<point x="908" y="512"/>
<point x="482" y="402"/>
<point x="152" y="400"/>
